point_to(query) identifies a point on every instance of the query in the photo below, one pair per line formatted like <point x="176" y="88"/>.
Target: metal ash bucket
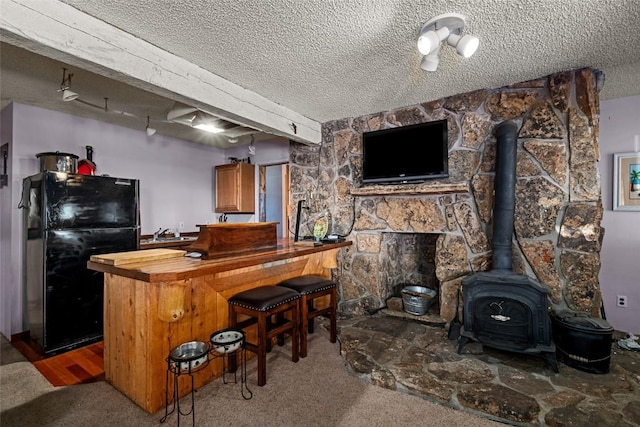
<point x="417" y="299"/>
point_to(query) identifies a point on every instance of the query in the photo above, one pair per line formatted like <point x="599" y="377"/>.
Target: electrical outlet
<point x="181" y="225"/>
<point x="621" y="301"/>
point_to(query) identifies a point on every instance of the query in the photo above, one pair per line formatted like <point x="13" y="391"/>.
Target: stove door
<point x="503" y="323"/>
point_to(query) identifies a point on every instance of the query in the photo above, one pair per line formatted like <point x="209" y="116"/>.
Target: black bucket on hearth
<point x="582" y="342"/>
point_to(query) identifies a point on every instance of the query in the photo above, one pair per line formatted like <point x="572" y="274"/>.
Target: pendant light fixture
<point x="67" y="94"/>
<point x="150" y="131"/>
<point x="252" y="148"/>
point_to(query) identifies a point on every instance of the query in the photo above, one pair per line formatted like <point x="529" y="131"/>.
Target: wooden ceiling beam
<point x="61" y="32"/>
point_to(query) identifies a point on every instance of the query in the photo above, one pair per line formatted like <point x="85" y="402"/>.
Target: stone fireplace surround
<point x="558" y="209"/>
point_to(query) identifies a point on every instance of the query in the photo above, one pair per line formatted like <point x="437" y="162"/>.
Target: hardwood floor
<point x="79" y="366"/>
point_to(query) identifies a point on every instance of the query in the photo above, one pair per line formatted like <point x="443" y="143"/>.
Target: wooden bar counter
<point x="155" y="301"/>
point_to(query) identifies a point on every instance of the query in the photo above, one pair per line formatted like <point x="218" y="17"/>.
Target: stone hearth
<point x="414" y="356"/>
<point x="558" y="208"/>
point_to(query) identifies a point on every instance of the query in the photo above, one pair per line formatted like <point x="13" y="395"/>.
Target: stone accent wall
<point x="558" y="211"/>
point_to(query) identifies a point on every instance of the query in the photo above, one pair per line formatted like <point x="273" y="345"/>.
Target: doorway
<point x="273" y="196"/>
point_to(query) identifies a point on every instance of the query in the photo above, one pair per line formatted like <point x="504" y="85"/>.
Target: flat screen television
<point x="406" y="154"/>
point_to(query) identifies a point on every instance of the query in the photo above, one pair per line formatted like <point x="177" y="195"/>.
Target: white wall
<point x="176" y="180"/>
<point x="620" y="255"/>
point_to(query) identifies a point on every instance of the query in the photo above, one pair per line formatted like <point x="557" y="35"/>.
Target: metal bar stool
<point x="261" y="305"/>
<point x="311" y="287"/>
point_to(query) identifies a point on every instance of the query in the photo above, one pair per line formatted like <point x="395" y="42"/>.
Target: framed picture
<point x="626" y="181"/>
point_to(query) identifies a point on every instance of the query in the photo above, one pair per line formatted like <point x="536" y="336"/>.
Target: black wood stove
<point x="502" y="309"/>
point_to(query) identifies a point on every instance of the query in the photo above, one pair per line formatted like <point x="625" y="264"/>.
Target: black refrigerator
<point x="68" y="218"/>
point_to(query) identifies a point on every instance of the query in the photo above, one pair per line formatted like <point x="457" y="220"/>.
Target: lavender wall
<point x="176" y="180"/>
<point x="620" y="255"/>
<point x="175" y="176"/>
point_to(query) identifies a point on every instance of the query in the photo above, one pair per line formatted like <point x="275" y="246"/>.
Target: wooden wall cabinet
<point x="235" y="188"/>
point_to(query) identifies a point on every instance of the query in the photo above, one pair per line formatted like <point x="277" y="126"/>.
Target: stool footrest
<point x="320" y="312"/>
<point x="246" y="323"/>
<point x="251" y="347"/>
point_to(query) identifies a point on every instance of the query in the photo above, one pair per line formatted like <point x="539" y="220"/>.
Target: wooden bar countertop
<point x="183" y="267"/>
<point x="157" y="299"/>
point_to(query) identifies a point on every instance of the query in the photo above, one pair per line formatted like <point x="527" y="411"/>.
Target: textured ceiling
<point x="330" y="59"/>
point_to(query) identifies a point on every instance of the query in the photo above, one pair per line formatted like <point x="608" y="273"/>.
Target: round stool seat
<point x="308" y="284"/>
<point x="264" y="298"/>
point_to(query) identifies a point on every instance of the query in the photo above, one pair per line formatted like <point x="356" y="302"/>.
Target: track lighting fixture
<point x="67" y="94"/>
<point x="150" y="131"/>
<point x="444" y="27"/>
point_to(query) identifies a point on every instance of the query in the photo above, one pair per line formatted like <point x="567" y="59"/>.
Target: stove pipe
<point x="506" y="134"/>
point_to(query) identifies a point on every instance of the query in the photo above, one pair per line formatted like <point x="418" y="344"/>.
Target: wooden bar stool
<point x="311" y="287"/>
<point x="262" y="305"/>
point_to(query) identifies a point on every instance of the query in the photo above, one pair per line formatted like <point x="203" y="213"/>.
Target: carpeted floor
<point x="316" y="391"/>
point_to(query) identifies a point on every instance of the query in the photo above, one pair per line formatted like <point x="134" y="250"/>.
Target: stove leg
<point x="463" y="341"/>
<point x="550" y="357"/>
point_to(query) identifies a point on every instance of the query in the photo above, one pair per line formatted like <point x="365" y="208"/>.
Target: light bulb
<point x="69" y="95"/>
<point x="465" y="45"/>
<point x="430" y="40"/>
<point x="430" y="62"/>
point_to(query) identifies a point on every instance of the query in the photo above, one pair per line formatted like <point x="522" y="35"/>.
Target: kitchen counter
<point x="152" y="306"/>
<point x="180" y="268"/>
<point x="185" y="239"/>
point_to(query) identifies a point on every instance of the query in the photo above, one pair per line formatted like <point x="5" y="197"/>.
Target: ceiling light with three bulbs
<point x="447" y="27"/>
